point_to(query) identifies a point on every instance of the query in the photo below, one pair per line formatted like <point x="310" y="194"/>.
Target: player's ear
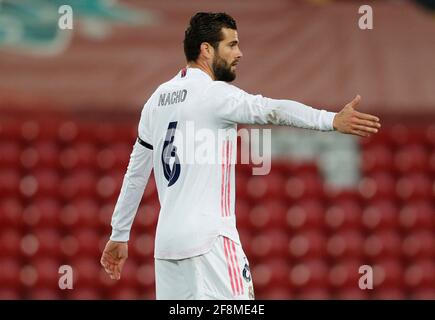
<point x="207" y="50"/>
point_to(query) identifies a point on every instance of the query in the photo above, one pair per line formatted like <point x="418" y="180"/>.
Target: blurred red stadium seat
<point x="274" y="293"/>
<point x="320" y="293"/>
<point x="414" y="187"/>
<point x="346" y="244"/>
<point x="86" y="272"/>
<point x="270" y="244"/>
<point x="108" y="186"/>
<point x="47" y="269"/>
<point x="48" y="154"/>
<point x="285" y="167"/>
<point x="9" y="154"/>
<point x="242" y="213"/>
<point x="305" y="215"/>
<point x="344" y="274"/>
<point x="304" y="186"/>
<point x="82" y="241"/>
<point x="344" y="215"/>
<point x="423" y="294"/>
<point x="42" y="212"/>
<point x="11" y="213"/>
<point x="105" y="133"/>
<point x="385" y="243"/>
<point x="45" y="294"/>
<point x="105" y="213"/>
<point x="246" y="239"/>
<point x="388" y="274"/>
<point x="142" y="247"/>
<point x="78" y="156"/>
<point x="389" y="294"/>
<point x="145" y="277"/>
<point x="67" y="132"/>
<point x="269" y="274"/>
<point x="126" y="293"/>
<point x="406" y="164"/>
<point x="81" y="213"/>
<point x="382" y="214"/>
<point x="9" y="129"/>
<point x="268" y="215"/>
<point x="420" y="275"/>
<point x="48" y="240"/>
<point x="417" y="215"/>
<point x="9" y="274"/>
<point x="350" y="293"/>
<point x="10" y="294"/>
<point x="264" y="188"/>
<point x="307" y="245"/>
<point x="401" y="134"/>
<point x="150" y="192"/>
<point x="419" y="244"/>
<point x="308" y="275"/>
<point x="10" y="182"/>
<point x="380" y="185"/>
<point x="10" y="243"/>
<point x="146" y="217"/>
<point x="376" y="158"/>
<point x="78" y="184"/>
<point x="85" y="293"/>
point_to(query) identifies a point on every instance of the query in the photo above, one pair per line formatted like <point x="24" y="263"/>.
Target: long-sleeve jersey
<point x="185" y="135"/>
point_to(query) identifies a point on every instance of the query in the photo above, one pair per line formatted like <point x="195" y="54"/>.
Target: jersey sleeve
<point x="134" y="183"/>
<point x="144" y="130"/>
<point x="234" y="105"/>
<point x="133" y="186"/>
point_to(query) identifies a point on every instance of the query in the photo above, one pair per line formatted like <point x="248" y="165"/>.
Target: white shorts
<point x="222" y="273"/>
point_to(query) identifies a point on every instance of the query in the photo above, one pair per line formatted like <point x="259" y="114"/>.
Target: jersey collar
<point x="194" y="72"/>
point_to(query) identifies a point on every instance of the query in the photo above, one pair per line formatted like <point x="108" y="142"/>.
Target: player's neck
<point x="202" y="66"/>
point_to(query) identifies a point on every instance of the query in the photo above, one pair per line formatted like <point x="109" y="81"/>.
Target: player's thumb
<point x="354" y="102"/>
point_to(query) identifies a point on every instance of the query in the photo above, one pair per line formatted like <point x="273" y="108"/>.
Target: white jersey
<point x="197" y="198"/>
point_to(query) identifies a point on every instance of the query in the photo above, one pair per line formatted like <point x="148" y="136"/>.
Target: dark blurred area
<point x="429" y="4"/>
<point x="70" y="102"/>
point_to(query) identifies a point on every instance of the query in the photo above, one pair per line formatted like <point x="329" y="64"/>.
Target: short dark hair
<point x="205" y="27"/>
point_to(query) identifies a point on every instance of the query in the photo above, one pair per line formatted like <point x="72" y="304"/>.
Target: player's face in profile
<point x="227" y="56"/>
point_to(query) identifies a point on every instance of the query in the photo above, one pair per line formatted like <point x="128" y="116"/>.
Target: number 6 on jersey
<point x="170" y="151"/>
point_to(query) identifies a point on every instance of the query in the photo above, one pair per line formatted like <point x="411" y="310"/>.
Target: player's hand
<point x="350" y="121"/>
<point x="113" y="258"/>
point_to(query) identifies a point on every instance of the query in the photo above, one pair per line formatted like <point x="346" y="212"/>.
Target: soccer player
<point x="198" y="254"/>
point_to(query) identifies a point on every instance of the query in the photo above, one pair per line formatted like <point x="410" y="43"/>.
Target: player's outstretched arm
<point x="113" y="258"/>
<point x="350" y="121"/>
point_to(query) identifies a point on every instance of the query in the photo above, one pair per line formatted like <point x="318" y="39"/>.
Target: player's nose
<point x="240" y="54"/>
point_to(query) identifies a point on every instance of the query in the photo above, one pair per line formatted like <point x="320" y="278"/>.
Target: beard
<point x="222" y="70"/>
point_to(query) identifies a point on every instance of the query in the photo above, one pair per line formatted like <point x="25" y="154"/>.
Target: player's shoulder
<point x="222" y="89"/>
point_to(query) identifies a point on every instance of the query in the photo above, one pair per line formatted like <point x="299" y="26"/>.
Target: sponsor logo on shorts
<point x="247" y="273"/>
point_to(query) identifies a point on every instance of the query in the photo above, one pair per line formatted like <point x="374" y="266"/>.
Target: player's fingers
<point x="360" y="133"/>
<point x="115" y="273"/>
<point x="108" y="259"/>
<point x="366" y="116"/>
<point x="104" y="261"/>
<point x="354" y="102"/>
<point x="367" y="123"/>
<point x="364" y="128"/>
<point x="119" y="267"/>
<point x="108" y="266"/>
